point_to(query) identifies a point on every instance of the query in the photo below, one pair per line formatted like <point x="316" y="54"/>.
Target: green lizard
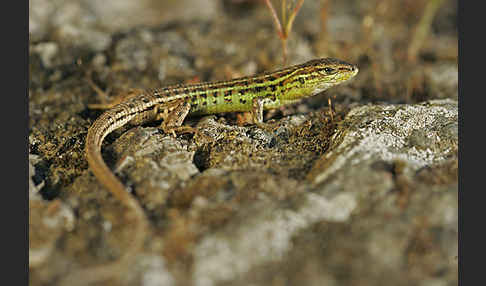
<point x="173" y="103"/>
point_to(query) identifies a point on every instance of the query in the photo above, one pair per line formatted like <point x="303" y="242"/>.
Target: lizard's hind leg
<point x="174" y="118"/>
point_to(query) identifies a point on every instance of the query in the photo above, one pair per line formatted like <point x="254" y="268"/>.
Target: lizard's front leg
<point x="258" y="104"/>
<point x="257" y="110"/>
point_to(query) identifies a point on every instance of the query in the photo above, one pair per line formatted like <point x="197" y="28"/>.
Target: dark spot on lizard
<point x="259" y="88"/>
<point x="259" y="81"/>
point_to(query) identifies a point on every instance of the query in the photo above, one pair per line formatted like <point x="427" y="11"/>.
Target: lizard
<point x="174" y="103"/>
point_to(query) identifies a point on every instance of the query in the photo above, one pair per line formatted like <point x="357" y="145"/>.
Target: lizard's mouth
<point x="335" y="79"/>
<point x="346" y="75"/>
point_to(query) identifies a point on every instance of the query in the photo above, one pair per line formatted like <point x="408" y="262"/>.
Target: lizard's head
<point x="321" y="74"/>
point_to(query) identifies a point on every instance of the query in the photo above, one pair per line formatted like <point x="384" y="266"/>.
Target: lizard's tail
<point x="96" y="133"/>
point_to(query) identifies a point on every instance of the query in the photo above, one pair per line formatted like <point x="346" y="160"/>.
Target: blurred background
<point x="406" y="49"/>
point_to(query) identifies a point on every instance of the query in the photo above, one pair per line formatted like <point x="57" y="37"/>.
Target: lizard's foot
<point x="108" y="101"/>
<point x="179" y="129"/>
<point x="119" y="98"/>
<point x="173" y="119"/>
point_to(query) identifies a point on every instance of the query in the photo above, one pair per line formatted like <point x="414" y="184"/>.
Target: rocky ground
<point x="363" y="193"/>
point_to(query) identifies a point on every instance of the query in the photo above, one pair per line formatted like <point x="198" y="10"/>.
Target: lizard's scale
<point x="174" y="103"/>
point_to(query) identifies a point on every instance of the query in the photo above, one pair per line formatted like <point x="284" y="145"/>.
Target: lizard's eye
<point x="329" y="70"/>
